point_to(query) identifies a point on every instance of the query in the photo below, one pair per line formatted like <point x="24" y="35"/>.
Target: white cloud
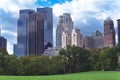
<point x="13" y="6"/>
<point x="77" y="8"/>
<point x="10" y="41"/>
<point x="82" y="9"/>
<point x="9" y="48"/>
<point x="8" y="32"/>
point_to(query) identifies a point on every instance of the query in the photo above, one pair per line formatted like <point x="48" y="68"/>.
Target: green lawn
<point x="112" y="75"/>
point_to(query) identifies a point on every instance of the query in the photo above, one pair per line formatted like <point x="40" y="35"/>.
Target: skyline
<point x="84" y="13"/>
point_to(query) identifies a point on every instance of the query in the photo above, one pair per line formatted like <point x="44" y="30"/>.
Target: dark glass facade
<point x="3" y="43"/>
<point x="118" y="23"/>
<point x="21" y="48"/>
<point x="48" y="26"/>
<point x="36" y="34"/>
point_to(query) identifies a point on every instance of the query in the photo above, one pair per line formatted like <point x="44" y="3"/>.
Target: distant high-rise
<point x="94" y="41"/>
<point x="48" y="26"/>
<point x="118" y="23"/>
<point x="109" y="33"/>
<point x="88" y="43"/>
<point x="72" y="38"/>
<point x="36" y="34"/>
<point x="65" y="24"/>
<point x="21" y="48"/>
<point x="80" y="38"/>
<point x="3" y="42"/>
<point x="97" y="39"/>
<point x="65" y="39"/>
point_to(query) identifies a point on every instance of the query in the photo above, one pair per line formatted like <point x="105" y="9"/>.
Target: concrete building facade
<point x="65" y="24"/>
<point x="94" y="41"/>
<point x="109" y="33"/>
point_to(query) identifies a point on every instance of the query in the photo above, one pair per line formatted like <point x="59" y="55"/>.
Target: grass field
<point x="78" y="76"/>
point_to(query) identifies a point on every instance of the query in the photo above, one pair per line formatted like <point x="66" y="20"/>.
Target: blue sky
<point x="88" y="15"/>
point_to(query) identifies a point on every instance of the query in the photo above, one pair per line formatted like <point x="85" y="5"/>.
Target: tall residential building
<point x="36" y="34"/>
<point x="21" y="48"/>
<point x="88" y="42"/>
<point x="72" y="38"/>
<point x="66" y="39"/>
<point x="97" y="39"/>
<point x="118" y="23"/>
<point x="80" y="38"/>
<point x="65" y="24"/>
<point x="109" y="33"/>
<point x="94" y="41"/>
<point x="48" y="26"/>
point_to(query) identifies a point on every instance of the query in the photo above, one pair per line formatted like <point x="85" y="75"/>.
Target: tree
<point x="94" y="57"/>
<point x="108" y="59"/>
<point x="77" y="59"/>
<point x="25" y="64"/>
<point x="117" y="49"/>
<point x="12" y="65"/>
<point x="39" y="66"/>
<point x="1" y="63"/>
<point x="3" y="53"/>
<point x="57" y="65"/>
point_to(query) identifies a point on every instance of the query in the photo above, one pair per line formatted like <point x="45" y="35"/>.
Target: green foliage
<point x="94" y="58"/>
<point x="108" y="59"/>
<point x="12" y="65"/>
<point x="77" y="59"/>
<point x="58" y="65"/>
<point x="70" y="60"/>
<point x="39" y="65"/>
<point x="117" y="49"/>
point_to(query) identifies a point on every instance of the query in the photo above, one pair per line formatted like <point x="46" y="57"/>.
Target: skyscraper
<point x="88" y="42"/>
<point x="80" y="38"/>
<point x="36" y="34"/>
<point x="48" y="26"/>
<point x="97" y="39"/>
<point x="94" y="41"/>
<point x="74" y="38"/>
<point x="65" y="24"/>
<point x="109" y="33"/>
<point x="65" y="39"/>
<point x="3" y="42"/>
<point x="118" y="23"/>
<point x="21" y="48"/>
